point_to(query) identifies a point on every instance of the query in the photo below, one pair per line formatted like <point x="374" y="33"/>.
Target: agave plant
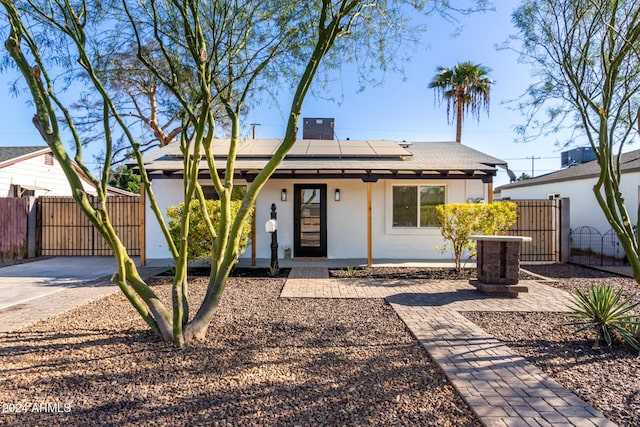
<point x="274" y="270"/>
<point x="351" y="271"/>
<point x="606" y="312"/>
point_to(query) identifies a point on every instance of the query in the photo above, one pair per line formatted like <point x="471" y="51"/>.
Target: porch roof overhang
<point x="366" y="175"/>
<point x="369" y="162"/>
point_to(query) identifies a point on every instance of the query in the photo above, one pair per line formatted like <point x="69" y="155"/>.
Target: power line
<point x="533" y="159"/>
<point x="528" y="158"/>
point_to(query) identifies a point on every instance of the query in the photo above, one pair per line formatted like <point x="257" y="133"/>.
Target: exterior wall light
<point x="336" y="196"/>
<point x="283" y="195"/>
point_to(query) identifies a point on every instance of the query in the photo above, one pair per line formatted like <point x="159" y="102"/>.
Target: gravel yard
<point x="404" y="273"/>
<point x="607" y="378"/>
<point x="273" y="361"/>
<point x="267" y="361"/>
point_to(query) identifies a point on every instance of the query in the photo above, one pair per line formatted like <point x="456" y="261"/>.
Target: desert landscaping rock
<point x="397" y="273"/>
<point x="274" y="361"/>
<point x="403" y="273"/>
<point x="266" y="361"/>
<point x="608" y="378"/>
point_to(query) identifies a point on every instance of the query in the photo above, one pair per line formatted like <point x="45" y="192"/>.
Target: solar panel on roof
<point x="314" y="148"/>
<point x="266" y="148"/>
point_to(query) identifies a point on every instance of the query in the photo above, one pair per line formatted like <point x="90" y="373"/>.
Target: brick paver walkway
<point x="502" y="388"/>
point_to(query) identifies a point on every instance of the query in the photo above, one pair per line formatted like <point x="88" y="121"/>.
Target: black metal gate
<point x="63" y="230"/>
<point x="542" y="221"/>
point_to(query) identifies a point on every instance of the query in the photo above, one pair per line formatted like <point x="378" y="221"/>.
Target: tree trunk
<point x="611" y="201"/>
<point x="460" y="114"/>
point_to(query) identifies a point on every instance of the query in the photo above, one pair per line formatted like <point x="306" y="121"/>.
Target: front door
<point x="310" y="220"/>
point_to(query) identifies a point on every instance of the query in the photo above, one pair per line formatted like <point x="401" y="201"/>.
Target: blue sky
<point x="402" y="108"/>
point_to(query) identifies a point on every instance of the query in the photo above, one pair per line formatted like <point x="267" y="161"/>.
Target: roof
<point x="629" y="162"/>
<point x="115" y="191"/>
<point x="369" y="160"/>
<point x="10" y="155"/>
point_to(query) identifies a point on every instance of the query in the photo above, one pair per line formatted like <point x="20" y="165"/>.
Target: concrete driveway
<point x="25" y="282"/>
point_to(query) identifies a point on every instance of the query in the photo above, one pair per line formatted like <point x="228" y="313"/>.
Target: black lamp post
<point x="274" y="239"/>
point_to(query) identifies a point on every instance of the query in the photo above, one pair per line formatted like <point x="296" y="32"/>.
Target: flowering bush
<point x="461" y="220"/>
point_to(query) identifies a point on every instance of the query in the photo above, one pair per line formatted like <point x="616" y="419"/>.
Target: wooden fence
<point x="13" y="228"/>
<point x="63" y="230"/>
<point x="546" y="222"/>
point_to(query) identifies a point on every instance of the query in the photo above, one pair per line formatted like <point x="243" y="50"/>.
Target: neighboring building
<point x="34" y="171"/>
<point x="360" y="200"/>
<point x="576" y="183"/>
<point x="31" y="171"/>
<point x="577" y="156"/>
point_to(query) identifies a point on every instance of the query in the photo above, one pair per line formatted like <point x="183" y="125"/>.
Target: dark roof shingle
<point x="10" y="153"/>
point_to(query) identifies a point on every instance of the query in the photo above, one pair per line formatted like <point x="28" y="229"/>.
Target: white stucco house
<point x="576" y="183"/>
<point x="339" y="200"/>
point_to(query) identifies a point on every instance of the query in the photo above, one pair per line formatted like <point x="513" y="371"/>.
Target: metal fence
<point x="590" y="247"/>
<point x="542" y="221"/>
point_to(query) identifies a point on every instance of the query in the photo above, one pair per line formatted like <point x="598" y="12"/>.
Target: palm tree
<point x="467" y="87"/>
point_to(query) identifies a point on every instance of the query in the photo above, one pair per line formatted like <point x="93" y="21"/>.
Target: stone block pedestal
<point x="498" y="264"/>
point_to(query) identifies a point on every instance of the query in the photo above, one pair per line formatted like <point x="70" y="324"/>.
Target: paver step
<point x="309" y="273"/>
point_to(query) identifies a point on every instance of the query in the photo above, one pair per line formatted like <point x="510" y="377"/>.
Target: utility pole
<point x="253" y="127"/>
<point x="532" y="163"/>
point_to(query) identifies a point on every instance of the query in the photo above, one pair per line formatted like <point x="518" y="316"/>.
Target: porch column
<point x="253" y="232"/>
<point x="369" y="227"/>
<point x="143" y="225"/>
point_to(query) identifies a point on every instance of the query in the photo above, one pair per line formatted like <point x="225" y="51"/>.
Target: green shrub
<point x="200" y="241"/>
<point x="458" y="221"/>
<point x="606" y="312"/>
<point x="634" y="328"/>
<point x="498" y="217"/>
<point x="273" y="271"/>
<point x="351" y="271"/>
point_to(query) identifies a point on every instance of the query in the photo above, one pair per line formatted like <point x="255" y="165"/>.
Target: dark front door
<point x="310" y="220"/>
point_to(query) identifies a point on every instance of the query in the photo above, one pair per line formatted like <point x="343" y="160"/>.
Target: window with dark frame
<point x="415" y="205"/>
